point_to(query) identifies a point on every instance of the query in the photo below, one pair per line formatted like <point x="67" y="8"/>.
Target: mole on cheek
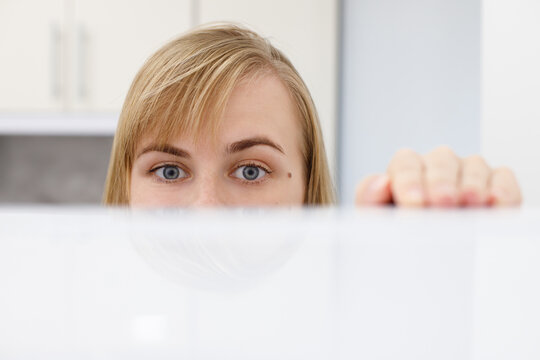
<point x="289" y="175"/>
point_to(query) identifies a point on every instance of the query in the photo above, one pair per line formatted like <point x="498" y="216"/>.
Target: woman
<point x="221" y="117"/>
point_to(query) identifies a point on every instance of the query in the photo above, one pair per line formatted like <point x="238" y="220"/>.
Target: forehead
<point x="258" y="106"/>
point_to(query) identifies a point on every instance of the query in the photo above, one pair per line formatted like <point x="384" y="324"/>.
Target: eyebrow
<point x="169" y="149"/>
<point x="235" y="147"/>
<point x="250" y="142"/>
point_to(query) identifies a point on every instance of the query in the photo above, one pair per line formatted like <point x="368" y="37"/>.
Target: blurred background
<point x="384" y="74"/>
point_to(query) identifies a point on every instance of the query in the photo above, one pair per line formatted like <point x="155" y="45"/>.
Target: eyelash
<point x="253" y="182"/>
<point x="161" y="180"/>
<point x="247" y="182"/>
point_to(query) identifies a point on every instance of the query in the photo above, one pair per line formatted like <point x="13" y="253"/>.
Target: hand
<point x="439" y="178"/>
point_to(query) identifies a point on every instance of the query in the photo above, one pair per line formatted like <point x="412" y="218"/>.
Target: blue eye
<point x="170" y="172"/>
<point x="250" y="172"/>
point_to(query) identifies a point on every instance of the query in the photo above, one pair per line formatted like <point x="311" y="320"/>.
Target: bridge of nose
<point x="209" y="189"/>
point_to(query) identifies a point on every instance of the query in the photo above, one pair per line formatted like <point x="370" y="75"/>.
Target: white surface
<point x="507" y="293"/>
<point x="59" y="124"/>
<point x="253" y="284"/>
<point x="511" y="89"/>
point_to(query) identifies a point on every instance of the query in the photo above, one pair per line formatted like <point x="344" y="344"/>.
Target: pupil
<point x="171" y="173"/>
<point x="251" y="172"/>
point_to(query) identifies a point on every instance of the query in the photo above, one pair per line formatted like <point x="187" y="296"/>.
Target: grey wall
<point x="53" y="169"/>
<point x="410" y="78"/>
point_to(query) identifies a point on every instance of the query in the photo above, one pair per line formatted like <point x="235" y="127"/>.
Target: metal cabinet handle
<point x="82" y="62"/>
<point x="56" y="61"/>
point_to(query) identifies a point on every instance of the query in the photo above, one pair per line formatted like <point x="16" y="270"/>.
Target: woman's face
<point x="255" y="160"/>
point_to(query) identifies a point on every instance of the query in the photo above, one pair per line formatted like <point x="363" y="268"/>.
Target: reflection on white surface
<point x="149" y="329"/>
<point x="507" y="289"/>
<point x="254" y="284"/>
<point x="202" y="255"/>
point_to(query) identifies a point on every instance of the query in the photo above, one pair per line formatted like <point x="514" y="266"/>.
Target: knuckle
<point x="504" y="171"/>
<point x="475" y="161"/>
<point x="440" y="177"/>
<point x="505" y="177"/>
<point x="444" y="151"/>
<point x="475" y="177"/>
<point x="475" y="170"/>
<point x="362" y="184"/>
<point x="405" y="180"/>
<point x="404" y="153"/>
<point x="405" y="160"/>
<point x="445" y="168"/>
<point x="474" y="187"/>
<point x="442" y="157"/>
<point x="505" y="185"/>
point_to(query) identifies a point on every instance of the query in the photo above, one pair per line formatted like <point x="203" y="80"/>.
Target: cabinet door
<point x="110" y="42"/>
<point x="31" y="55"/>
<point x="306" y="31"/>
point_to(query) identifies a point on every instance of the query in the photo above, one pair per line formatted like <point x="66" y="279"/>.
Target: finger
<point x="406" y="178"/>
<point x="373" y="190"/>
<point x="504" y="189"/>
<point x="442" y="168"/>
<point x="475" y="174"/>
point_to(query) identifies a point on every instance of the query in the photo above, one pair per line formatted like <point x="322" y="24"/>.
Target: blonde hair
<point x="185" y="86"/>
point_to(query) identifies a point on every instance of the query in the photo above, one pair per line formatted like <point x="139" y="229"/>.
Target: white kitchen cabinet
<point x="64" y="63"/>
<point x="307" y="32"/>
<point x="64" y="55"/>
<point x="112" y="39"/>
<point x="31" y="55"/>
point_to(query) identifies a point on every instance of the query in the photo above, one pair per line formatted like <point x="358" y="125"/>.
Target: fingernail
<point x="472" y="198"/>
